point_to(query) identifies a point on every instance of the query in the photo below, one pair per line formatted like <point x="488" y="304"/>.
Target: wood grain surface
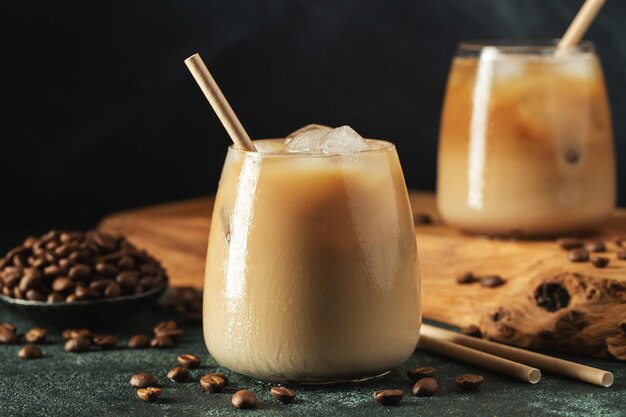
<point x="547" y="301"/>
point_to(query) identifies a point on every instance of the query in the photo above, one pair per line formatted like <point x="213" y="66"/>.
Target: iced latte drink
<point x="312" y="267"/>
<point x="526" y="146"/>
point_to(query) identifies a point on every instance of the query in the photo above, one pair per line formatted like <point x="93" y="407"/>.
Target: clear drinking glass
<point x="312" y="266"/>
<point x="526" y="144"/>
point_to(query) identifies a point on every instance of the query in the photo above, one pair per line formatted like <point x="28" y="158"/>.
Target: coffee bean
<point x="213" y="382"/>
<point x="149" y="394"/>
<point x="596" y="246"/>
<point x="567" y="243"/>
<point x="425" y="387"/>
<point x="388" y="396"/>
<point x="169" y="329"/>
<point x="36" y="335"/>
<point x="178" y="374"/>
<point x="139" y="341"/>
<point x="30" y="352"/>
<point x="8" y="326"/>
<point x="78" y="345"/>
<point x="80" y="271"/>
<point x="112" y="290"/>
<point x="143" y="380"/>
<point x="7" y="336"/>
<point x="466" y="278"/>
<point x="71" y="298"/>
<point x="28" y="282"/>
<point x="100" y="284"/>
<point x="52" y="271"/>
<point x="85" y="293"/>
<point x="62" y="284"/>
<point x="55" y="297"/>
<point x="244" y="399"/>
<point x="492" y="281"/>
<point x="128" y="279"/>
<point x="105" y="342"/>
<point x="415" y="374"/>
<point x="282" y="394"/>
<point x="126" y="263"/>
<point x="600" y="261"/>
<point x="189" y="361"/>
<point x="106" y="269"/>
<point x="161" y="342"/>
<point x="34" y="295"/>
<point x="471" y="330"/>
<point x="469" y="382"/>
<point x="578" y="255"/>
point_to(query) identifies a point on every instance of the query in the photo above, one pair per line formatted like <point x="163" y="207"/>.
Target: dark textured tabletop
<point x="96" y="383"/>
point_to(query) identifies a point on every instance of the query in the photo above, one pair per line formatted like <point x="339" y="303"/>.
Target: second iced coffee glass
<point x="312" y="265"/>
<point x="526" y="146"/>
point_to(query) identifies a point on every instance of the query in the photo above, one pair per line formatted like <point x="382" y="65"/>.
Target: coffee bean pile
<point x="487" y="281"/>
<point x="149" y="388"/>
<point x="77" y="266"/>
<point x="580" y="251"/>
<point x="425" y="385"/>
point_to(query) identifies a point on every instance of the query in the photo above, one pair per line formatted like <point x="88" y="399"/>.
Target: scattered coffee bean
<point x="139" y="341"/>
<point x="30" y="352"/>
<point x="178" y="374"/>
<point x="388" y="396"/>
<point x="466" y="278"/>
<point x="36" y="335"/>
<point x="244" y="399"/>
<point x="149" y="394"/>
<point x="143" y="380"/>
<point x="161" y="342"/>
<point x="596" y="246"/>
<point x="105" y="342"/>
<point x="68" y="334"/>
<point x="422" y="218"/>
<point x="471" y="330"/>
<point x="425" y="387"/>
<point x="213" y="382"/>
<point x="78" y="344"/>
<point x="8" y="333"/>
<point x="415" y="374"/>
<point x="71" y="266"/>
<point x="578" y="255"/>
<point x="567" y="243"/>
<point x="469" y="382"/>
<point x="492" y="281"/>
<point x="600" y="261"/>
<point x="169" y="329"/>
<point x="282" y="394"/>
<point x="189" y="361"/>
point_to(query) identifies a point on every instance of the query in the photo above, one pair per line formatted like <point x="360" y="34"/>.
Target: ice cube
<point x="306" y="139"/>
<point x="342" y="140"/>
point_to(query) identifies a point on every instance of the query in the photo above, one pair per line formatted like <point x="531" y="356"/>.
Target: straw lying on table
<point x="506" y="359"/>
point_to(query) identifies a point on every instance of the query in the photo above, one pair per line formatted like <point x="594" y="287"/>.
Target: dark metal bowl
<point x="83" y="313"/>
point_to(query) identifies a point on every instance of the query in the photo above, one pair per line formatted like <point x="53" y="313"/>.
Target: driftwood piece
<point x="547" y="301"/>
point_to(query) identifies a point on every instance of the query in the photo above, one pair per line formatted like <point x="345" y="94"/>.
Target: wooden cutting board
<point x="547" y="301"/>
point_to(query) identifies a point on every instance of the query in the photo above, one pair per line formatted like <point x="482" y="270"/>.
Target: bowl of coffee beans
<point x="79" y="277"/>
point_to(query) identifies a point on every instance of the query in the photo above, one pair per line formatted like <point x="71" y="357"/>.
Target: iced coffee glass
<point x="526" y="145"/>
<point x="312" y="267"/>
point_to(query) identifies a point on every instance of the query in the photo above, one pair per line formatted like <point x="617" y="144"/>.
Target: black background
<point x="99" y="113"/>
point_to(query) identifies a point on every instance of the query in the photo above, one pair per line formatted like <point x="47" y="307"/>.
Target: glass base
<point x="337" y="381"/>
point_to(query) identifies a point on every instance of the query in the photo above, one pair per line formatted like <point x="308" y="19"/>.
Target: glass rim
<point x="385" y="146"/>
<point x="521" y="45"/>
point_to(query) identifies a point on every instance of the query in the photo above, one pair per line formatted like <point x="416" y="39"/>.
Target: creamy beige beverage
<point x="526" y="145"/>
<point x="312" y="266"/>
